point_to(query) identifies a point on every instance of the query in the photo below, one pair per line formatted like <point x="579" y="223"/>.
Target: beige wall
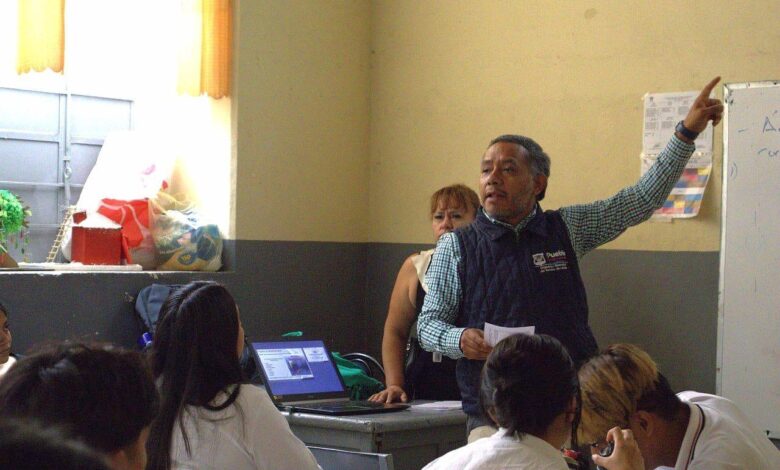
<point x="302" y="117"/>
<point x="349" y="114"/>
<point x="447" y="76"/>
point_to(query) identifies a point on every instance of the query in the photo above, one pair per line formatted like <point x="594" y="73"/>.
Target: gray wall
<point x="664" y="301"/>
<point x="317" y="288"/>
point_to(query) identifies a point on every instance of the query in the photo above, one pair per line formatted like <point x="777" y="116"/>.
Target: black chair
<point x="370" y="365"/>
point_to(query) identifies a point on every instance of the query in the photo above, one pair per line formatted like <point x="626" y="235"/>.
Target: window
<point x="120" y="69"/>
<point x="49" y="142"/>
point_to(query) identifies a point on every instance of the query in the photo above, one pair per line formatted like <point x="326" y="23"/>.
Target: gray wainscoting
<point x="664" y="301"/>
<point x="317" y="288"/>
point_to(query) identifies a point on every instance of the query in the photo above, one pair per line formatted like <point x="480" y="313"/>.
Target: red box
<point x="93" y="245"/>
<point x="79" y="217"/>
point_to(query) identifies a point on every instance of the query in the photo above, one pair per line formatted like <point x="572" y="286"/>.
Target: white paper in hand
<point x="495" y="333"/>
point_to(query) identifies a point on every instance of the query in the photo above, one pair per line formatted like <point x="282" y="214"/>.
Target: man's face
<point x="507" y="186"/>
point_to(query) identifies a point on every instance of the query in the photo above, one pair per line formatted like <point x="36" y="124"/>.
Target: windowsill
<point x="228" y="266"/>
<point x="51" y="272"/>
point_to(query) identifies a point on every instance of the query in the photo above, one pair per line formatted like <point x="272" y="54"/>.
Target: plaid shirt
<point x="589" y="225"/>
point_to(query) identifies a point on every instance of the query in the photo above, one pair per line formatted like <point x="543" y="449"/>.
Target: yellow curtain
<point x="205" y="47"/>
<point x="41" y="36"/>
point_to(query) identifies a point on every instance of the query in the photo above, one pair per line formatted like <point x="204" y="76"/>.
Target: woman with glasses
<point x="628" y="402"/>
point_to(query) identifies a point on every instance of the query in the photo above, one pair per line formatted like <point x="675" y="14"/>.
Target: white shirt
<point x="4" y="367"/>
<point x="501" y="451"/>
<point x="720" y="437"/>
<point x="421" y="261"/>
<point x="249" y="434"/>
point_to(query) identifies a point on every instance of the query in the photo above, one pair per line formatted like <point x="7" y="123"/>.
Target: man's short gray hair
<point x="538" y="159"/>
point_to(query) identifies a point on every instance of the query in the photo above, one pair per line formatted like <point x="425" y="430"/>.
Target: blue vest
<point x="530" y="278"/>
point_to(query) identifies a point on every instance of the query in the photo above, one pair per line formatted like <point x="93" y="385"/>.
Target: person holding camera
<point x="650" y="426"/>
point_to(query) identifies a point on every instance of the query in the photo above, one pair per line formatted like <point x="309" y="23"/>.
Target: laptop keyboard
<point x="350" y="405"/>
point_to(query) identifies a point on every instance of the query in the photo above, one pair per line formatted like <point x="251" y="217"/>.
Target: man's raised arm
<point x="591" y="225"/>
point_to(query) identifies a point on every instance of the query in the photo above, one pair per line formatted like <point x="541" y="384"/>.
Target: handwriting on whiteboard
<point x="771" y="153"/>
<point x="771" y="123"/>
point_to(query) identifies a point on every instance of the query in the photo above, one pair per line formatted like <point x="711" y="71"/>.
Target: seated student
<point x="26" y="445"/>
<point x="426" y="378"/>
<point x="97" y="394"/>
<point x="625" y="454"/>
<point x="529" y="389"/>
<point x="208" y="418"/>
<point x="6" y="358"/>
<point x="623" y="387"/>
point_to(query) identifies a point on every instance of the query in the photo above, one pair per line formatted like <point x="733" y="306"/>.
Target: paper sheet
<point x="662" y="113"/>
<point x="495" y="333"/>
<point x="439" y="405"/>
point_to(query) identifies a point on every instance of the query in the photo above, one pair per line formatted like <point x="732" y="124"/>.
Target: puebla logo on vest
<point x="548" y="261"/>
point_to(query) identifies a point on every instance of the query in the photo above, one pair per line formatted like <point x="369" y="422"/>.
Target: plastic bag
<point x="359" y="384"/>
<point x="183" y="242"/>
<point x="133" y="217"/>
<point x="131" y="166"/>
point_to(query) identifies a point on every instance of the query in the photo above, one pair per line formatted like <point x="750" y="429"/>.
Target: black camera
<point x="606" y="452"/>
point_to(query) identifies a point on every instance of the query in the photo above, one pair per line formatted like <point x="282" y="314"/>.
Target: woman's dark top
<point x="425" y="379"/>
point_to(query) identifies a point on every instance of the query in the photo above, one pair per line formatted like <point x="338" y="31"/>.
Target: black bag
<point x="425" y="379"/>
<point x="148" y="305"/>
<point x="413" y="366"/>
<point x="149" y="302"/>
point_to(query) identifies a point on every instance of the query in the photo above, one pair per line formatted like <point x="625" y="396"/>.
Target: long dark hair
<point x="194" y="358"/>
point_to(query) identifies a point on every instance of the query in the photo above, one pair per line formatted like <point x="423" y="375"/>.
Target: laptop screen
<point x="298" y="368"/>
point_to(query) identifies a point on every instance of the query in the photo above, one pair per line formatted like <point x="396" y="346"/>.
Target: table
<point x="413" y="436"/>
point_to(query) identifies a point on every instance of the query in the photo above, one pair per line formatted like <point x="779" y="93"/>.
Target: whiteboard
<point x="749" y="303"/>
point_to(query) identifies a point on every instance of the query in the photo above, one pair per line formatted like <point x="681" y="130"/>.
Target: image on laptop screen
<point x="298" y="367"/>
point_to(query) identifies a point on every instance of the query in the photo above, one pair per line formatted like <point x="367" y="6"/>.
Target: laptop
<point x="300" y="375"/>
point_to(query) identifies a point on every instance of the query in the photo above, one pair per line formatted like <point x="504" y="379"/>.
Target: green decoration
<point x="13" y="221"/>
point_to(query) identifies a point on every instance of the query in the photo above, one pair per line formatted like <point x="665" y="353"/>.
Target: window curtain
<point x="205" y="48"/>
<point x="41" y="36"/>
